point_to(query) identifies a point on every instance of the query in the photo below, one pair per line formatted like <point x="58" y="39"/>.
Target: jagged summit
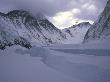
<point x="40" y="16"/>
<point x="2" y="14"/>
<point x="28" y="18"/>
<point x="80" y="25"/>
<point x="23" y="28"/>
<point x="19" y="24"/>
<point x="76" y="33"/>
<point x="18" y="13"/>
<point x="83" y="23"/>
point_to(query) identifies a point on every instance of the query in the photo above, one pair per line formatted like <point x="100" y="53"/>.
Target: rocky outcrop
<point x="101" y="28"/>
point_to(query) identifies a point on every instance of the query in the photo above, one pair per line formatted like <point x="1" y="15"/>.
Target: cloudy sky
<point x="62" y="13"/>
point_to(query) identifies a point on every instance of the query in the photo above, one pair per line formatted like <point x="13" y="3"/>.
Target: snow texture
<point x="62" y="63"/>
<point x="76" y="33"/>
<point x="101" y="28"/>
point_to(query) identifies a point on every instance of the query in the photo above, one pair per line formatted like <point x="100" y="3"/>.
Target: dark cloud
<point x="51" y="7"/>
<point x="92" y="11"/>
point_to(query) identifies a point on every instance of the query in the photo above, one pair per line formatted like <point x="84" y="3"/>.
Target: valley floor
<point x="63" y="63"/>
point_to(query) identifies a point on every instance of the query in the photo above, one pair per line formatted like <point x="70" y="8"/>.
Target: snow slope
<point x="16" y="67"/>
<point x="55" y="64"/>
<point x="24" y="27"/>
<point x="101" y="28"/>
<point x="87" y="62"/>
<point x="9" y="34"/>
<point x="76" y="33"/>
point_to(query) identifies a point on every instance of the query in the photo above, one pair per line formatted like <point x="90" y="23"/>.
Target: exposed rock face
<point x="101" y="28"/>
<point x="21" y="27"/>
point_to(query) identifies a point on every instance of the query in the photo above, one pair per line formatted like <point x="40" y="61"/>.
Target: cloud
<point x="84" y="11"/>
<point x="63" y="19"/>
<point x="61" y="11"/>
<point x="67" y="19"/>
<point x="51" y="7"/>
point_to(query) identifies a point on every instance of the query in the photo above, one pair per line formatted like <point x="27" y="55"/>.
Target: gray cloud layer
<point x="51" y="7"/>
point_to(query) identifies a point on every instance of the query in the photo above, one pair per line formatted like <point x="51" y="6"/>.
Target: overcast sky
<point x="62" y="13"/>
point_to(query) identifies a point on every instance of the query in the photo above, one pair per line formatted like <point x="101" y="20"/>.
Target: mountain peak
<point x="16" y="13"/>
<point x="2" y="14"/>
<point x="40" y="16"/>
<point x="32" y="28"/>
<point x="82" y="24"/>
<point x="101" y="28"/>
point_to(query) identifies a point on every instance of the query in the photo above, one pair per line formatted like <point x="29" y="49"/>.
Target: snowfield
<point x="60" y="63"/>
<point x="15" y="67"/>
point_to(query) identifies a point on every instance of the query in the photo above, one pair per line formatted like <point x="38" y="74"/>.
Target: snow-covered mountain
<point x="76" y="33"/>
<point x="101" y="28"/>
<point x="9" y="35"/>
<point x="20" y="27"/>
<point x="25" y="28"/>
